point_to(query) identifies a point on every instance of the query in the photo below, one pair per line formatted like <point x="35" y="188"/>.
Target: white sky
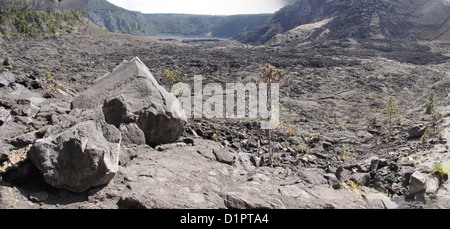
<point x="210" y="7"/>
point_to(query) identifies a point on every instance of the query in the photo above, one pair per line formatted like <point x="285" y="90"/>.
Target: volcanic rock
<point x="22" y="140"/>
<point x="23" y="101"/>
<point x="130" y="94"/>
<point x="417" y="183"/>
<point x="4" y="153"/>
<point x="417" y="131"/>
<point x="78" y="158"/>
<point x="6" y="78"/>
<point x="8" y="62"/>
<point x="4" y="116"/>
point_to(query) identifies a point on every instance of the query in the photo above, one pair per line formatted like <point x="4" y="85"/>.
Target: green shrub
<point x="32" y="23"/>
<point x="391" y="119"/>
<point x="431" y="103"/>
<point x="436" y="116"/>
<point x="173" y="76"/>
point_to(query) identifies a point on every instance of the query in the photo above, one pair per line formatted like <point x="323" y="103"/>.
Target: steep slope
<point x="217" y="26"/>
<point x="362" y="19"/>
<point x="412" y="19"/>
<point x="301" y="12"/>
<point x="34" y="23"/>
<point x="39" y="17"/>
<point x="116" y="19"/>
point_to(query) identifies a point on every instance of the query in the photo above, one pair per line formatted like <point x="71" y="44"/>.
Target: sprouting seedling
<point x="438" y="169"/>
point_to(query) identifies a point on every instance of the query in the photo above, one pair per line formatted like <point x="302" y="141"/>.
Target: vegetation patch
<point x="33" y="23"/>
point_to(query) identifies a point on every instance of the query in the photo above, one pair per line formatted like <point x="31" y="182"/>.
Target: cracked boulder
<point x="83" y="156"/>
<point x="130" y="94"/>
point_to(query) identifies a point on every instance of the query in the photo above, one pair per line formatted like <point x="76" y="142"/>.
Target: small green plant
<point x="285" y="144"/>
<point x="311" y="137"/>
<point x="173" y="76"/>
<point x="349" y="158"/>
<point x="302" y="147"/>
<point x="424" y="137"/>
<point x="439" y="170"/>
<point x="53" y="83"/>
<point x="299" y="148"/>
<point x="353" y="187"/>
<point x="436" y="116"/>
<point x="373" y="124"/>
<point x="431" y="104"/>
<point x="391" y="119"/>
<point x="217" y="138"/>
<point x="284" y="126"/>
<point x="31" y="129"/>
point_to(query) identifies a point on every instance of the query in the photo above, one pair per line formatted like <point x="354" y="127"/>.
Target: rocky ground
<point x="330" y="152"/>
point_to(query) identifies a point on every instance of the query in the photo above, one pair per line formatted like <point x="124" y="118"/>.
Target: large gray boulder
<point x="6" y="78"/>
<point x="83" y="156"/>
<point x="130" y="94"/>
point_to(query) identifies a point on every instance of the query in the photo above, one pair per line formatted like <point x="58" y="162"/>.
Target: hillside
<point x="44" y="4"/>
<point x="35" y="23"/>
<point x="398" y="19"/>
<point x="217" y="26"/>
<point x="116" y="19"/>
<point x="184" y="24"/>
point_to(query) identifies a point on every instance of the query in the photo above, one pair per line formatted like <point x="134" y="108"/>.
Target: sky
<point x="209" y="7"/>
